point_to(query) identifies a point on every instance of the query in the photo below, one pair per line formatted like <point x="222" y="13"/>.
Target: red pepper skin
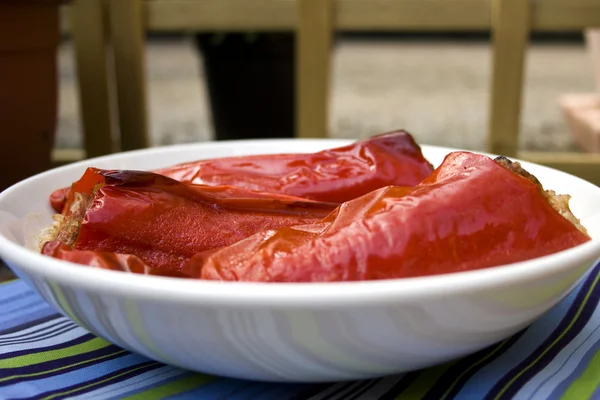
<point x="61" y="199"/>
<point x="165" y="222"/>
<point x="104" y="260"/>
<point x="58" y="199"/>
<point x="334" y="175"/>
<point x="471" y="213"/>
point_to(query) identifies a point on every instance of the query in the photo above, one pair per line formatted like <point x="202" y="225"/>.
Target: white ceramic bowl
<point x="292" y="332"/>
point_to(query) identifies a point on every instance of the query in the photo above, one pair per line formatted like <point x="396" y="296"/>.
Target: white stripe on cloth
<point x="566" y="361"/>
<point x="53" y="341"/>
<point x="36" y="328"/>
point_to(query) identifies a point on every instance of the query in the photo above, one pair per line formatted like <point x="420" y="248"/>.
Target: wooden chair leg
<point x="314" y="35"/>
<point x="583" y="165"/>
<point x="127" y="29"/>
<point x="89" y="37"/>
<point x="510" y="27"/>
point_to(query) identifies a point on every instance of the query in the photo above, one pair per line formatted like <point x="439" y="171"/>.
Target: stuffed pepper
<point x="473" y="212"/>
<point x="164" y="222"/>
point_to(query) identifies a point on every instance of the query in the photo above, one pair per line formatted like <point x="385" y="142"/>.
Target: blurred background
<point x="435" y="85"/>
<point x="90" y="77"/>
<point x="85" y="78"/>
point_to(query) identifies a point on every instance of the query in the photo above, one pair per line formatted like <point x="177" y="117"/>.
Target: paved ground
<point x="439" y="91"/>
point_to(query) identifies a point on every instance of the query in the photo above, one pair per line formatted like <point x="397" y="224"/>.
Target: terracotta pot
<point x="29" y="37"/>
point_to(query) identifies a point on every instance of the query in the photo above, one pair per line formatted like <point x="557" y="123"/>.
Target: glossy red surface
<point x="61" y="199"/>
<point x="104" y="260"/>
<point x="334" y="175"/>
<point x="164" y="222"/>
<point x="471" y="213"/>
<point x="58" y="199"/>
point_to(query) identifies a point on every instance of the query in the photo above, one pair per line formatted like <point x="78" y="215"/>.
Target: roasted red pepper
<point x="334" y="175"/>
<point x="164" y="222"/>
<point x="61" y="199"/>
<point x="105" y="260"/>
<point x="472" y="212"/>
<point x="58" y="199"/>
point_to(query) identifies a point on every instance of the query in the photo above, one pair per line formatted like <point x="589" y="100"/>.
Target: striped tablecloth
<point x="44" y="355"/>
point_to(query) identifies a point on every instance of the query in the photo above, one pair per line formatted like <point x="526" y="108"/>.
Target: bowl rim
<point x="276" y="295"/>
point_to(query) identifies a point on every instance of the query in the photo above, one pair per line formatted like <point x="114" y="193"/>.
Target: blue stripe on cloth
<point x="565" y="363"/>
<point x="454" y="378"/>
<point x="182" y="374"/>
<point x="270" y="391"/>
<point x="580" y="365"/>
<point x="262" y="391"/>
<point x="577" y="318"/>
<point x="25" y="316"/>
<point x="59" y="329"/>
<point x="37" y="331"/>
<point x="30" y="325"/>
<point x="10" y="310"/>
<point x="265" y="391"/>
<point x="54" y="345"/>
<point x="401" y="384"/>
<point x="220" y="388"/>
<point x="488" y="376"/>
<point x="16" y="297"/>
<point x="135" y="385"/>
<point x="234" y="389"/>
<point x="15" y="288"/>
<point x="80" y="377"/>
<point x="281" y="392"/>
<point x="37" y="327"/>
<point x="60" y="367"/>
<point x="115" y="376"/>
<point x="15" y="349"/>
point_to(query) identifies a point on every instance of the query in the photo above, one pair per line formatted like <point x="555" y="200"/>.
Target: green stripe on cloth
<point x="62" y="395"/>
<point x="584" y="386"/>
<point x="75" y="364"/>
<point x="47" y="372"/>
<point x="581" y="306"/>
<point x="424" y="382"/>
<point x="474" y="366"/>
<point x="177" y="387"/>
<point x="37" y="358"/>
